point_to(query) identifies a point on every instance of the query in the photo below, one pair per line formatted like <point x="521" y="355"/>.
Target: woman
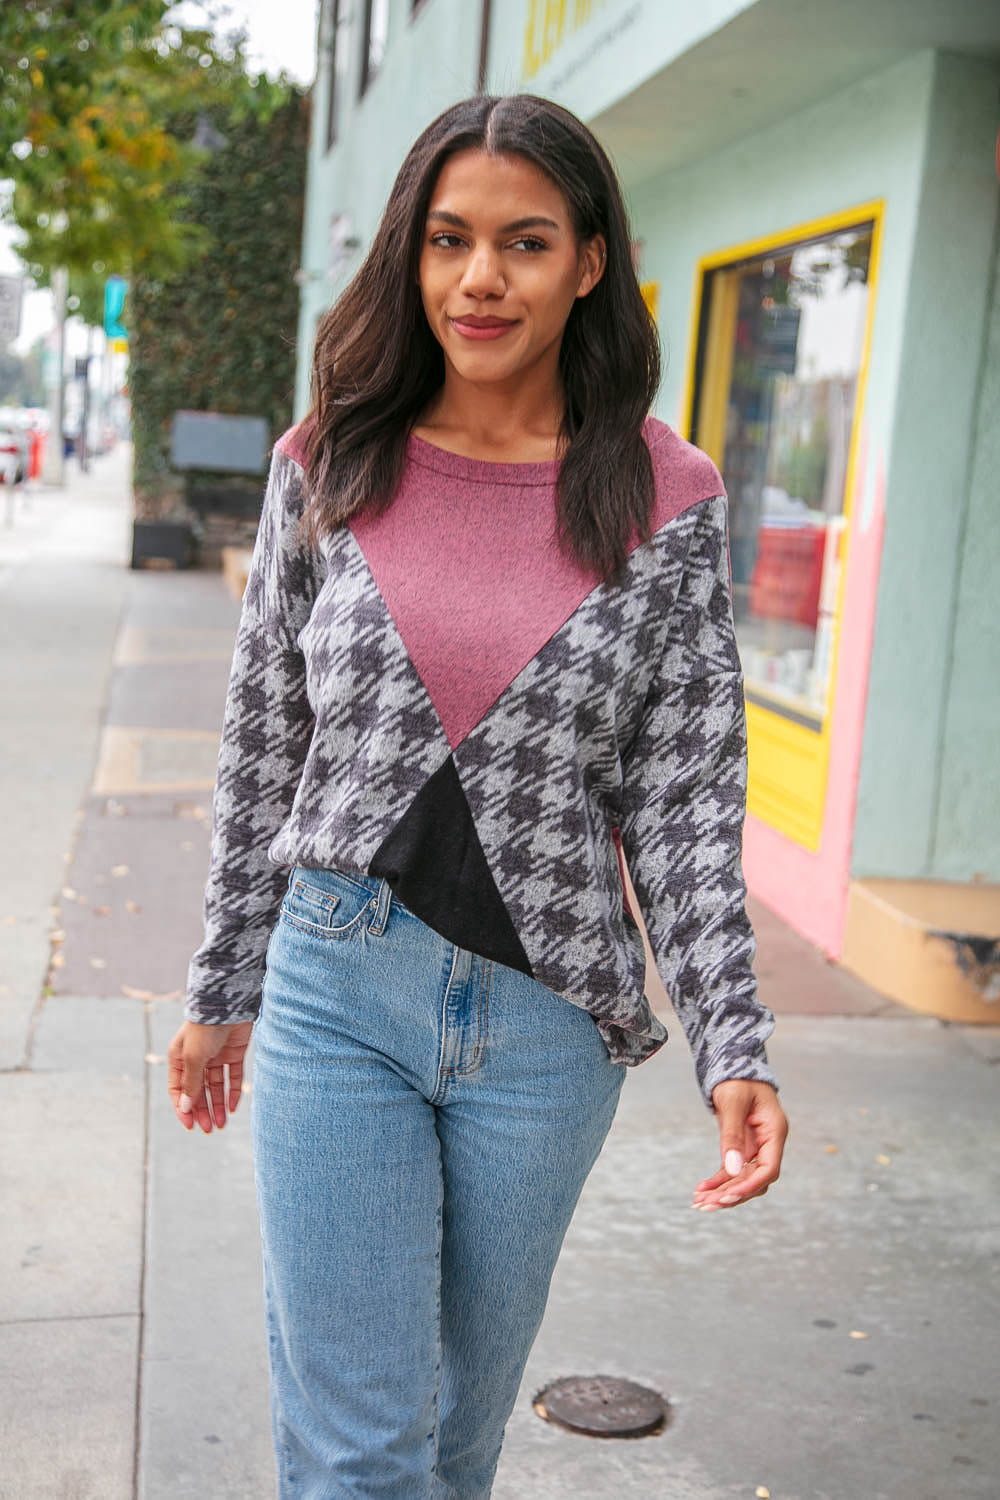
<point x="486" y="642"/>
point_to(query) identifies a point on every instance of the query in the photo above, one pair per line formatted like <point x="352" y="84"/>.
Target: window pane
<point x="338" y="44"/>
<point x="788" y="341"/>
<point x="378" y="32"/>
<point x="329" y="59"/>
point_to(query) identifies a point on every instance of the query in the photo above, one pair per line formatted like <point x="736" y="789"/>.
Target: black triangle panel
<point x="435" y="864"/>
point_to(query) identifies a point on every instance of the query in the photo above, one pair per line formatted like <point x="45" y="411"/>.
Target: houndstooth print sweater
<point x="440" y="697"/>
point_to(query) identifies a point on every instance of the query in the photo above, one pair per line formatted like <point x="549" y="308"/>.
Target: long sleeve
<point x="266" y="732"/>
<point x="682" y="821"/>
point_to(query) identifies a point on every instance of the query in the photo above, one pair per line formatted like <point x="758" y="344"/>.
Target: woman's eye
<point x="528" y="241"/>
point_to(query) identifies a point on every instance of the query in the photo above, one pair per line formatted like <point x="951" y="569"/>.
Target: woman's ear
<point x="594" y="259"/>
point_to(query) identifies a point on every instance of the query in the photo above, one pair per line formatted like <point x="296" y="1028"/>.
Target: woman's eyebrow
<point x="535" y="222"/>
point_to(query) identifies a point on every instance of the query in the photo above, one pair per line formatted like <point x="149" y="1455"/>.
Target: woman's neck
<point x="492" y="428"/>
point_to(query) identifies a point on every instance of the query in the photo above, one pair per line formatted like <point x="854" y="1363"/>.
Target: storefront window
<point x="780" y="353"/>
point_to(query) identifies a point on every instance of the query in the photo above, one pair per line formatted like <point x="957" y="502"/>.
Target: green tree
<point x="221" y="336"/>
<point x="89" y="102"/>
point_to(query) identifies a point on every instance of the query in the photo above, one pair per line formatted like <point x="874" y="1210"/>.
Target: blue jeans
<point x="423" y="1122"/>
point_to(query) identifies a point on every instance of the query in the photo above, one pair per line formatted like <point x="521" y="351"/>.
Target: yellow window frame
<point x="789" y="762"/>
<point x="651" y="296"/>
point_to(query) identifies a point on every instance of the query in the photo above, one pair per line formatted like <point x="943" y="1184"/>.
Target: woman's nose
<point x="482" y="271"/>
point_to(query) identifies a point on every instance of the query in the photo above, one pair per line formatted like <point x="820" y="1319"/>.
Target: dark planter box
<point x="171" y="542"/>
<point x="239" y="499"/>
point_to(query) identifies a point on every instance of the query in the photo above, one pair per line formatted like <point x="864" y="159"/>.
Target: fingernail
<point x="734" y="1163"/>
<point x="184" y="1104"/>
<point x="729" y="1200"/>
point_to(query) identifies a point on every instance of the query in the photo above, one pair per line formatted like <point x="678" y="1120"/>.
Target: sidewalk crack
<point x="147" y="1013"/>
<point x="66" y="1318"/>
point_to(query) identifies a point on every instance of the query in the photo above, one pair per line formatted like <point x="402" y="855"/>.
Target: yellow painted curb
<point x="921" y="942"/>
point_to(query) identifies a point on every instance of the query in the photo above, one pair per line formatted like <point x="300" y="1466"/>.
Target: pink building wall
<point x="810" y="890"/>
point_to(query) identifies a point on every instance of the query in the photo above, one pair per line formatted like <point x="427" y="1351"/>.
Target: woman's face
<point x="499" y="267"/>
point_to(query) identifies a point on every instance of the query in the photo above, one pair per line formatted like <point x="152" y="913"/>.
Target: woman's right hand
<point x="198" y="1058"/>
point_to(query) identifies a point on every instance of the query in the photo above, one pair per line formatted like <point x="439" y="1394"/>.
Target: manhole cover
<point x="602" y="1406"/>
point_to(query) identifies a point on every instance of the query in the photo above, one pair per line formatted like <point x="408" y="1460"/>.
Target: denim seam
<point x="326" y="934"/>
<point x="282" y="1447"/>
<point x="381" y="908"/>
<point x="442" y="1072"/>
<point x="481" y="1023"/>
<point x="438" y="1361"/>
<point x="367" y="884"/>
<point x="325" y="900"/>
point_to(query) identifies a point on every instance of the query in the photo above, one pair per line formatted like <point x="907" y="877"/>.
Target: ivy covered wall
<point x="221" y="335"/>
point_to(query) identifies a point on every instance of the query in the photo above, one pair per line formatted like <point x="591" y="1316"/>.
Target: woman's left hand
<point x="752" y="1132"/>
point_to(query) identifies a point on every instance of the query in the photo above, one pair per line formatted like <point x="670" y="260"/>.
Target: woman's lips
<point x="480" y="331"/>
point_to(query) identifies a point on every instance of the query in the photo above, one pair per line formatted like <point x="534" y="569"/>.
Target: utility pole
<point x="53" y="468"/>
<point x="83" y="373"/>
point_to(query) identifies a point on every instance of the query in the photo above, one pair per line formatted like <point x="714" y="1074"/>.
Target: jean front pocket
<point x="326" y="904"/>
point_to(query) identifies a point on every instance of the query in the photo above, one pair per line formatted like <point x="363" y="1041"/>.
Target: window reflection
<point x="780" y="359"/>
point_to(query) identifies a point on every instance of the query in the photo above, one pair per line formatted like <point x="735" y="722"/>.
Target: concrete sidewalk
<point x="834" y="1339"/>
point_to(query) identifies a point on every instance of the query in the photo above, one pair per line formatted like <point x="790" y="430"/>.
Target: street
<point x="834" y="1339"/>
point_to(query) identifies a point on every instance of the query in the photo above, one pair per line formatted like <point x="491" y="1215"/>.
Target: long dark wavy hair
<point x="377" y="364"/>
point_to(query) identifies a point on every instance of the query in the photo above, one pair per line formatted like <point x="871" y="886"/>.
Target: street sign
<point x="115" y="289"/>
<point x="226" y="444"/>
<point x="10" y="309"/>
<point x="50" y="369"/>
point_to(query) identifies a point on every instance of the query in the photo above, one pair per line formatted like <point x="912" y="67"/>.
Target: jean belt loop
<point x="381" y="916"/>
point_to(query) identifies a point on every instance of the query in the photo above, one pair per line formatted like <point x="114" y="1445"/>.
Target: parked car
<point x="15" y="447"/>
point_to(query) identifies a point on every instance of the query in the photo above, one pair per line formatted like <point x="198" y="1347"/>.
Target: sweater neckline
<point x="479" y="470"/>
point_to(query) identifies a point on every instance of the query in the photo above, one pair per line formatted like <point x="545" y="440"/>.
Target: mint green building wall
<point x="967" y="826"/>
<point x="431" y="60"/>
<point x="602" y="50"/>
<point x="888" y="137"/>
<point x="917" y="134"/>
<point x="920" y="136"/>
<point x="862" y="144"/>
<point x="929" y="774"/>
